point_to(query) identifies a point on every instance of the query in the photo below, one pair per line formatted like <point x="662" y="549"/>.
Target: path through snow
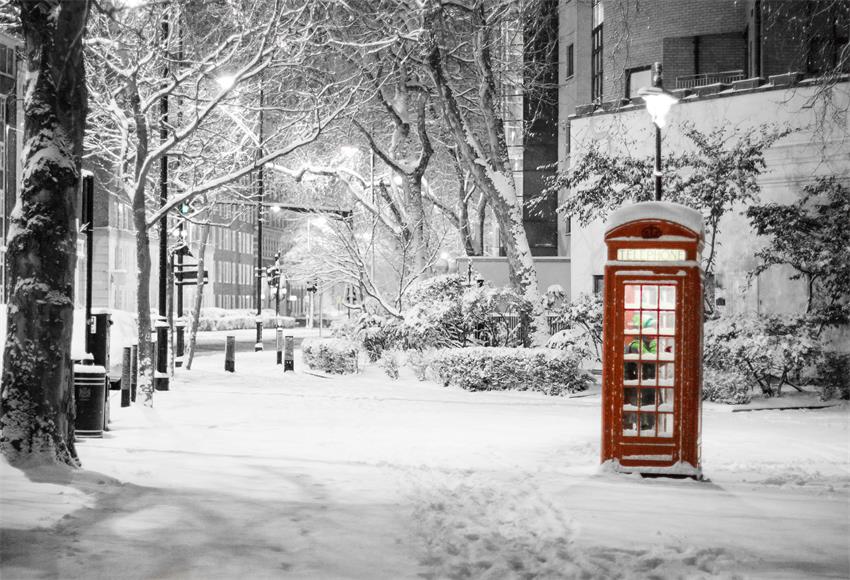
<point x="264" y="475"/>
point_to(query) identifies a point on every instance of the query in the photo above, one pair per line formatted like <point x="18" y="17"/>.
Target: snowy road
<point x="213" y="341"/>
<point x="264" y="475"/>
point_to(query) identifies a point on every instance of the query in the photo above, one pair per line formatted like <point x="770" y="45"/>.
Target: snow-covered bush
<point x="389" y="362"/>
<point x="572" y="340"/>
<point x="376" y="334"/>
<point x="433" y="317"/>
<point x="545" y="370"/>
<point x="834" y="376"/>
<point x="721" y="386"/>
<point x="419" y="361"/>
<point x="331" y="355"/>
<point x="584" y="314"/>
<point x="345" y="328"/>
<point x="767" y="350"/>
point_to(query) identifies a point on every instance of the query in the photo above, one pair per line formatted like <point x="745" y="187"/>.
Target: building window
<point x="7" y="61"/>
<point x="598" y="284"/>
<point x="570" y="61"/>
<point x="636" y="78"/>
<point x="596" y="51"/>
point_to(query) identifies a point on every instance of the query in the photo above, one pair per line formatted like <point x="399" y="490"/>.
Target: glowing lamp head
<point x="226" y="82"/>
<point x="658" y="103"/>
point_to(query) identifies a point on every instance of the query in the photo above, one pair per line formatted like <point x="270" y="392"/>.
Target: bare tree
<point x="158" y="54"/>
<point x="476" y="120"/>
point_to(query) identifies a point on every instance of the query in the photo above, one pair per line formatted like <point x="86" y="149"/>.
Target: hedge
<point x="331" y="355"/>
<point x="548" y="371"/>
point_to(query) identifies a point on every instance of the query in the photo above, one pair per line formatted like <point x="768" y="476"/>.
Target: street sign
<point x="186" y="277"/>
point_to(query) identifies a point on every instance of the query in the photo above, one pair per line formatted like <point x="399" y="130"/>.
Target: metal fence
<point x="702" y="79"/>
<point x="510" y="328"/>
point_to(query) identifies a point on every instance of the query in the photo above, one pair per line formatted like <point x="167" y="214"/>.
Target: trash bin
<point x="90" y="399"/>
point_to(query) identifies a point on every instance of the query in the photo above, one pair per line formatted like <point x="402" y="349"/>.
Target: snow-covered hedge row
<point x="221" y="319"/>
<point x="545" y="370"/>
<point x="331" y="355"/>
<point x="723" y="386"/>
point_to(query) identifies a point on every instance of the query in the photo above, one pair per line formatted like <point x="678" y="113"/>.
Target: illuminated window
<point x="649" y="354"/>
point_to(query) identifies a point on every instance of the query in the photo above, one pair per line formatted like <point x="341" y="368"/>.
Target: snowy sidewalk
<point x="258" y="474"/>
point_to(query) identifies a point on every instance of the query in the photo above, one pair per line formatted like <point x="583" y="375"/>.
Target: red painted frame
<point x="652" y="454"/>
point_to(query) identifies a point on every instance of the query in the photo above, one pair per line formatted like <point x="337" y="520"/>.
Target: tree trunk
<point x="416" y="222"/>
<point x="143" y="302"/>
<point x="172" y="346"/>
<point x="481" y="217"/>
<point x="199" y="296"/>
<point x="37" y="403"/>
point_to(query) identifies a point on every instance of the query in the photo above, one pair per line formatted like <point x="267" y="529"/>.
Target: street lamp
<point x="160" y="380"/>
<point x="658" y="103"/>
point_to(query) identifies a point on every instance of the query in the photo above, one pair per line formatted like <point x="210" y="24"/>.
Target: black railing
<point x="702" y="79"/>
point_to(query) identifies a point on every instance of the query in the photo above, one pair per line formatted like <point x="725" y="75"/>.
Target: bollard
<point x="153" y="352"/>
<point x="230" y="355"/>
<point x="106" y="417"/>
<point x="279" y="345"/>
<point x="134" y="371"/>
<point x="125" y="377"/>
<point x="289" y="353"/>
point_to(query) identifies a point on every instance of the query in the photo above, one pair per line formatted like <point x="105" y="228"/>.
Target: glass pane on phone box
<point x="647" y="372"/>
<point x="629" y="423"/>
<point x="648" y="347"/>
<point x="666" y="372"/>
<point x="632" y="296"/>
<point x="665" y="398"/>
<point x="666" y="347"/>
<point x="632" y="319"/>
<point x="668" y="297"/>
<point x="630" y="371"/>
<point x="649" y="297"/>
<point x="649" y="322"/>
<point x="665" y="425"/>
<point x="647" y="424"/>
<point x="668" y="323"/>
<point x="647" y="397"/>
<point x="632" y="345"/>
<point x="630" y="397"/>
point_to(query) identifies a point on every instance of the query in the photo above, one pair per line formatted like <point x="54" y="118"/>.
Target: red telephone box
<point x="652" y="344"/>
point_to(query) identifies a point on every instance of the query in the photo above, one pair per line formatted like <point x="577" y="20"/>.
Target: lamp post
<point x="260" y="193"/>
<point x="658" y="103"/>
<point x="274" y="285"/>
<point x="178" y="254"/>
<point x="160" y="380"/>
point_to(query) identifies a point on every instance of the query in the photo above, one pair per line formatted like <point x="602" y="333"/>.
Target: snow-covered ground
<point x="258" y="475"/>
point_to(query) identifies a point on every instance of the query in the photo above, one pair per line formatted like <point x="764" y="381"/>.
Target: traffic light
<point x="273" y="275"/>
<point x="184" y="208"/>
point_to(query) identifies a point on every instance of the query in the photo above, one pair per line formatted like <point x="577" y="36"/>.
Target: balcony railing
<point x="702" y="79"/>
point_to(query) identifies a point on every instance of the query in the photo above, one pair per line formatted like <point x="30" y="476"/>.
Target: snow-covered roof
<point x="660" y="210"/>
